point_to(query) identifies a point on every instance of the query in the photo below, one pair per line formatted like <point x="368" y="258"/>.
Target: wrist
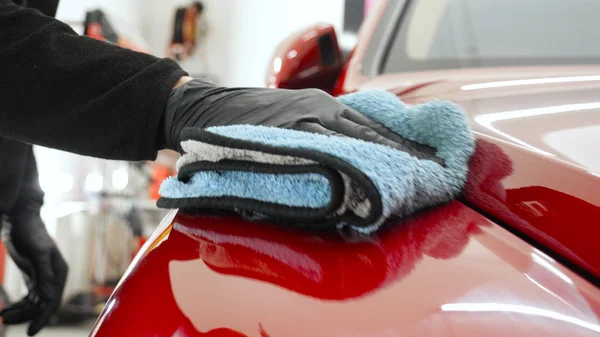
<point x="183" y="80"/>
<point x="171" y="112"/>
<point x="187" y="107"/>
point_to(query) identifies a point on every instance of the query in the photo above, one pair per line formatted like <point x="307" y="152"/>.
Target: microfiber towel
<point x="296" y="177"/>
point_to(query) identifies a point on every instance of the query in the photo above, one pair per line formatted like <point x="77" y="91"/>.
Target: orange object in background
<point x="185" y="31"/>
<point x="97" y="26"/>
<point x="159" y="174"/>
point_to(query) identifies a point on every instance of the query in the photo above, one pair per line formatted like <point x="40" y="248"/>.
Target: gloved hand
<point x="44" y="269"/>
<point x="202" y="104"/>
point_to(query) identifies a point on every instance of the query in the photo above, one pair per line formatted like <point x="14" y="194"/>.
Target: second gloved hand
<point x="201" y="104"/>
<point x="45" y="271"/>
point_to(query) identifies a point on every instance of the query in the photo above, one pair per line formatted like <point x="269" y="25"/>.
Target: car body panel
<point x="448" y="271"/>
<point x="546" y="122"/>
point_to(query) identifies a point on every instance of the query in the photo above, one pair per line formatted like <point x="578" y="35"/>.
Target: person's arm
<point x="48" y="7"/>
<point x="85" y="96"/>
<point x="35" y="253"/>
<point x="77" y="94"/>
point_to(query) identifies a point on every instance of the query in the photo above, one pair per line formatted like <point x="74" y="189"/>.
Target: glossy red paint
<point x="297" y="61"/>
<point x="338" y="88"/>
<point x="545" y="122"/>
<point x="447" y="271"/>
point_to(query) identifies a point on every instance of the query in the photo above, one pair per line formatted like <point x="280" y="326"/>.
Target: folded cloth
<point x="296" y="177"/>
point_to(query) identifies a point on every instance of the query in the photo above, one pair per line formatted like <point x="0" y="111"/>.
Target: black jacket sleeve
<point x="47" y="7"/>
<point x="29" y="196"/>
<point x="77" y="94"/>
<point x="13" y="162"/>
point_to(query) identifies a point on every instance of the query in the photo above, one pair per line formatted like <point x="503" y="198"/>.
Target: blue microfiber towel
<point x="297" y="177"/>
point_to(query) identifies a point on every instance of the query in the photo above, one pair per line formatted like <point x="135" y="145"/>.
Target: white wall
<point x="124" y="15"/>
<point x="213" y="56"/>
<point x="242" y="33"/>
<point x="261" y="24"/>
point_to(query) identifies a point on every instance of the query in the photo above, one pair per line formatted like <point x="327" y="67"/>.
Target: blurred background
<point x="99" y="211"/>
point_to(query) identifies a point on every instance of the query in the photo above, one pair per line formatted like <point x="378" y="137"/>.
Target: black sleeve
<point x="48" y="7"/>
<point x="77" y="94"/>
<point x="13" y="161"/>
<point x="30" y="196"/>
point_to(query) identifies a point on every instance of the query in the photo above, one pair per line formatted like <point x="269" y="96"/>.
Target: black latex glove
<point x="44" y="269"/>
<point x="34" y="252"/>
<point x="201" y="104"/>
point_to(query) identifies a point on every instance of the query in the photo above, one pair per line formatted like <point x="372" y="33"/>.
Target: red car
<point x="517" y="255"/>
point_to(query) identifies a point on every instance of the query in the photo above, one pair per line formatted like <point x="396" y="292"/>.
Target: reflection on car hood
<point x="321" y="265"/>
<point x="545" y="123"/>
<point x="448" y="271"/>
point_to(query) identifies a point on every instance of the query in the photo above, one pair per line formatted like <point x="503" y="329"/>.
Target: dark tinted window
<point x="440" y="34"/>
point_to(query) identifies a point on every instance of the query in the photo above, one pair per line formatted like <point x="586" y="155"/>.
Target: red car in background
<point x="516" y="255"/>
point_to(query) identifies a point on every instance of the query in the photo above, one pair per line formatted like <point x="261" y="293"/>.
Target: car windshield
<point x="443" y="34"/>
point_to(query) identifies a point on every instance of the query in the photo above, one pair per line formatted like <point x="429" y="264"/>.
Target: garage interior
<point x="518" y="220"/>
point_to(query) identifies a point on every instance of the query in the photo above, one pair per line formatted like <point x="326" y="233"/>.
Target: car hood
<point x="545" y="124"/>
<point x="447" y="271"/>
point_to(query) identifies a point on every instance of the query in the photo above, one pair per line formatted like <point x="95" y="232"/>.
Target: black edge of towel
<point x="273" y="210"/>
